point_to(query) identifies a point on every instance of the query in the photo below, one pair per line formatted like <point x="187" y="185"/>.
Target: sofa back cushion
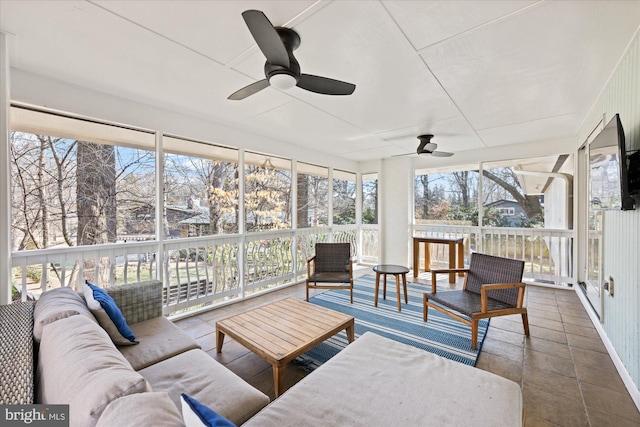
<point x="57" y="304"/>
<point x="80" y="366"/>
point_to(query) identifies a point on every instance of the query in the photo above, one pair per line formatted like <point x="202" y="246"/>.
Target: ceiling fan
<point x="427" y="147"/>
<point x="282" y="69"/>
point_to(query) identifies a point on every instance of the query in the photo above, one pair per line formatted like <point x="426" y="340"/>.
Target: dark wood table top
<point x="390" y="269"/>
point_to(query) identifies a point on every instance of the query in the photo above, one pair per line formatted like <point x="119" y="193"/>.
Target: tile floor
<point x="566" y="375"/>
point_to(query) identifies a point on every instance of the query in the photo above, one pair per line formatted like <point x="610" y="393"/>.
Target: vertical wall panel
<point x="621" y="230"/>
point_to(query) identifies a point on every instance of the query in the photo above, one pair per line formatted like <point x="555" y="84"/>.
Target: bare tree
<point x="344" y="201"/>
<point x="96" y="193"/>
<point x="465" y="183"/>
<point x="267" y="197"/>
<point x="302" y="212"/>
<point x="530" y="204"/>
<point x="222" y="197"/>
<point x="423" y="198"/>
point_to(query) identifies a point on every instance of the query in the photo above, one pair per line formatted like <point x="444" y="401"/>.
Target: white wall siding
<point x="622" y="263"/>
<point x="621" y="230"/>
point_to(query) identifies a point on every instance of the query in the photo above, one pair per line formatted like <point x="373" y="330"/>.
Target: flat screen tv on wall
<point x="609" y="169"/>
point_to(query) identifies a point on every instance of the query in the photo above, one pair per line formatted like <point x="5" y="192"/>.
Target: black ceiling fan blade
<point x="249" y="90"/>
<point x="441" y="154"/>
<point x="325" y="85"/>
<point x="267" y="37"/>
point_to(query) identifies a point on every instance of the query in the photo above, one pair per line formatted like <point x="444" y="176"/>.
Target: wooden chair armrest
<point x="310" y="261"/>
<point x="444" y="270"/>
<point x="450" y="270"/>
<point x="493" y="286"/>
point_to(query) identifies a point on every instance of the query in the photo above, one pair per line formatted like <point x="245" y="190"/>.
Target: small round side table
<point x="397" y="271"/>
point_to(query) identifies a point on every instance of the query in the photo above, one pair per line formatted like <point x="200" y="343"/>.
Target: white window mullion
<point x="159" y="206"/>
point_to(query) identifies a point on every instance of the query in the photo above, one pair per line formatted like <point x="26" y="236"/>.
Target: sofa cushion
<point x="108" y="314"/>
<point x="159" y="339"/>
<point x="57" y="304"/>
<point x="381" y="382"/>
<point x="80" y="366"/>
<point x="141" y="409"/>
<point x="195" y="414"/>
<point x="199" y="375"/>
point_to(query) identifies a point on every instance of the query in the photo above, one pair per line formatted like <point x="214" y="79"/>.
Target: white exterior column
<point x="5" y="188"/>
<point x="394" y="191"/>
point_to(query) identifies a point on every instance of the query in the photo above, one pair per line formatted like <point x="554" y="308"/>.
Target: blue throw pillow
<point x="109" y="306"/>
<point x="195" y="414"/>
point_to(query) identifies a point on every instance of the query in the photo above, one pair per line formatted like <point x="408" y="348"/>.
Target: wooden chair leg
<point x="474" y="334"/>
<point x="425" y="308"/>
<point x="307" y="286"/>
<point x="351" y="291"/>
<point x="525" y="323"/>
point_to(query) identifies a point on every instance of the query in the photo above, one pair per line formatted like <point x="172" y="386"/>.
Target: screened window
<point x="370" y="198"/>
<point x="267" y="191"/>
<point x="200" y="188"/>
<point x="446" y="197"/>
<point x="77" y="182"/>
<point x="344" y="197"/>
<point x="523" y="185"/>
<point x="313" y="195"/>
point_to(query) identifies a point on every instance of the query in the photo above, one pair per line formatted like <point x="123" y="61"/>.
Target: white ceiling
<point x="474" y="73"/>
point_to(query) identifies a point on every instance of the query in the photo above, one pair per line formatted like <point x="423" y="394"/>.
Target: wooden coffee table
<point x="283" y="330"/>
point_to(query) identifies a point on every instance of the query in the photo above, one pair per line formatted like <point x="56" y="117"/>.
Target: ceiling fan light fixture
<point x="282" y="81"/>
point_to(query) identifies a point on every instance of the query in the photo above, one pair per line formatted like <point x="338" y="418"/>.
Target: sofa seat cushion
<point x="159" y="339"/>
<point x="57" y="304"/>
<point x="379" y="382"/>
<point x="141" y="409"/>
<point x="78" y="365"/>
<point x="200" y="376"/>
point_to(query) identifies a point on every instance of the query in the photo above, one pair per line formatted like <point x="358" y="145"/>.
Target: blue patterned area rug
<point x="441" y="335"/>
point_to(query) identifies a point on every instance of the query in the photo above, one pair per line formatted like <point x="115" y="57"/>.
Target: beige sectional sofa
<point x="109" y="385"/>
<point x="373" y="382"/>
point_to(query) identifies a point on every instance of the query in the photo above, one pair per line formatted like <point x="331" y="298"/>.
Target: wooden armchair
<point x="331" y="264"/>
<point x="492" y="287"/>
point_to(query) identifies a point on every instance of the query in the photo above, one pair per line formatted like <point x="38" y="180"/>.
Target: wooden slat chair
<point x="492" y="287"/>
<point x="331" y="264"/>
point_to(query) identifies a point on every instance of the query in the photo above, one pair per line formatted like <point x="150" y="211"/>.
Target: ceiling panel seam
<point x="479" y="27"/>
<point x="157" y="33"/>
